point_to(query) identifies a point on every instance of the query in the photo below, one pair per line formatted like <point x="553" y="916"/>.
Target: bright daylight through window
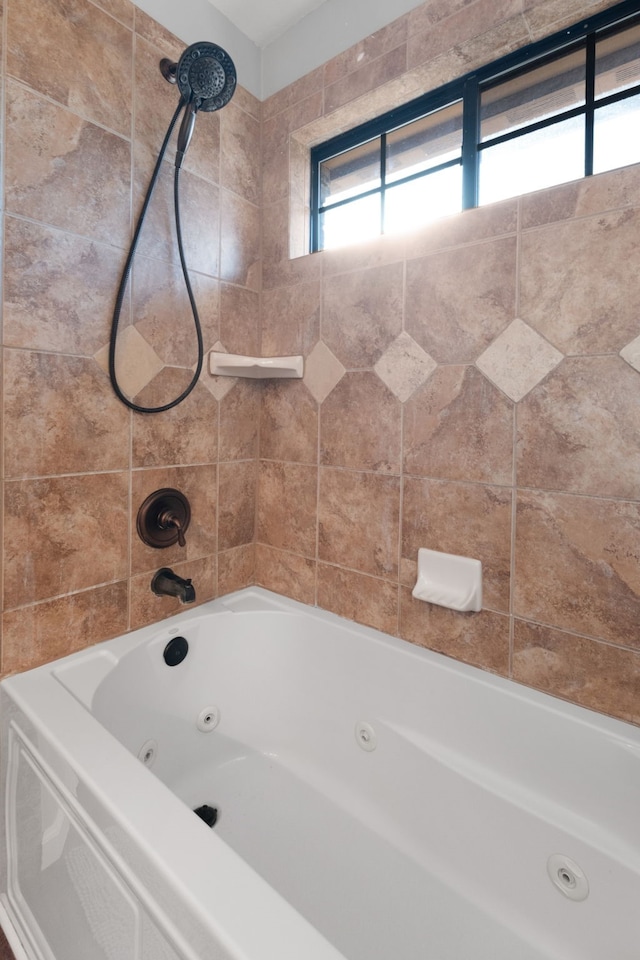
<point x="558" y="110"/>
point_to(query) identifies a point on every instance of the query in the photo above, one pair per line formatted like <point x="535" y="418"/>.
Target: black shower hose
<point x="127" y="272"/>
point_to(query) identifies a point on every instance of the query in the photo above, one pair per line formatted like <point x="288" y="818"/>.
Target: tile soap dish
<point x="449" y="580"/>
<point x="257" y="368"/>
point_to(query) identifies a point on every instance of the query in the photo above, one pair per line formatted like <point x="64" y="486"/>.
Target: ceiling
<point x="265" y="20"/>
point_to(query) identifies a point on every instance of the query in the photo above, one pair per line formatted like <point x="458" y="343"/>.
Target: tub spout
<point x="166" y="583"/>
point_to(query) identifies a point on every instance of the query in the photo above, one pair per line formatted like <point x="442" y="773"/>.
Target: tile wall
<point x="473" y="387"/>
<point x="85" y="111"/>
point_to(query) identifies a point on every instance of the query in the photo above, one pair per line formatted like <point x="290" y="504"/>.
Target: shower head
<point x="206" y="75"/>
<point x="206" y="78"/>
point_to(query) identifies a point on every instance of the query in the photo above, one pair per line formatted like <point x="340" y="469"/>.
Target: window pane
<point x="424" y="143"/>
<point x="356" y="221"/>
<point x="616" y="140"/>
<point x="535" y="160"/>
<point x="410" y="205"/>
<point x="350" y="173"/>
<point x="540" y="93"/>
<point x="618" y="62"/>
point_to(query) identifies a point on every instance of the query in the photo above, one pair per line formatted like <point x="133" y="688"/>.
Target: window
<point x="557" y="110"/>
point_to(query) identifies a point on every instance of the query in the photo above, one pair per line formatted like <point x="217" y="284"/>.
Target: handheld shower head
<point x="206" y="78"/>
<point x="206" y="74"/>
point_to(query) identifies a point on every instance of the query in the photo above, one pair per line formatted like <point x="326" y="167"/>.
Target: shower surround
<point x="472" y="387"/>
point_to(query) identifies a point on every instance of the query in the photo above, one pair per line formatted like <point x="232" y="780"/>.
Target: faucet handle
<point x="163" y="518"/>
<point x="168" y="519"/>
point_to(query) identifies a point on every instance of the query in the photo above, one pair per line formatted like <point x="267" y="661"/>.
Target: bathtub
<point x="375" y="801"/>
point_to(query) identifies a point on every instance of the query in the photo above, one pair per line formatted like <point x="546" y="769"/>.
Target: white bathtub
<point x="375" y="801"/>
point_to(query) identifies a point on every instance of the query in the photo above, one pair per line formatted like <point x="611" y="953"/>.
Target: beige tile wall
<point x="473" y="387"/>
<point x="464" y="388"/>
<point x="86" y="110"/>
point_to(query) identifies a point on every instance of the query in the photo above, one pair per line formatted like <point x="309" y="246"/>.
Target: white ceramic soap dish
<point x="449" y="580"/>
<point x="256" y="368"/>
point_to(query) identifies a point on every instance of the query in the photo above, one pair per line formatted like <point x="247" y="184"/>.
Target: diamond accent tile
<point x="137" y="363"/>
<point x="631" y="353"/>
<point x="518" y="360"/>
<point x="404" y="366"/>
<point x="218" y="386"/>
<point x="322" y="372"/>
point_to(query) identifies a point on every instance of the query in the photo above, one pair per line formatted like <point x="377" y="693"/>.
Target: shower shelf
<point x="257" y="368"/>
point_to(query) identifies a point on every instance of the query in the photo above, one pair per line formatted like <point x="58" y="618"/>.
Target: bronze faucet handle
<point x="168" y="519"/>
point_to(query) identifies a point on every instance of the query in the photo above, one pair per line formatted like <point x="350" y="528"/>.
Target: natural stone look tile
<point x="240" y="320"/>
<point x="367" y="78"/>
<point x="362" y="314"/>
<point x="468" y="519"/>
<point x="198" y="483"/>
<point x="577" y="564"/>
<point x="64" y="534"/>
<point x="199" y="214"/>
<point x="578" y="431"/>
<point x="92" y="53"/>
<point x="65" y="171"/>
<point x="369" y="254"/>
<point x="59" y="289"/>
<point x="185" y="434"/>
<point x="518" y="360"/>
<point x="136" y="362"/>
<point x="162" y="313"/>
<point x="122" y="10"/>
<point x="578" y="284"/>
<point x="500" y="29"/>
<point x="480" y="223"/>
<point x="286" y="573"/>
<point x="147" y="607"/>
<point x="276" y="145"/>
<point x="481" y="639"/>
<point x="367" y="50"/>
<point x="548" y="17"/>
<point x="322" y="372"/>
<point x="358" y="515"/>
<point x="239" y="420"/>
<point x="290" y="320"/>
<point x="70" y="423"/>
<point x="358" y="597"/>
<point x="287" y="507"/>
<point x="236" y="568"/>
<point x="240" y="229"/>
<point x="596" y="675"/>
<point x="459" y="427"/>
<point x="237" y="487"/>
<point x="360" y="425"/>
<point x="582" y="198"/>
<point x="404" y="366"/>
<point x="55" y="628"/>
<point x="240" y="162"/>
<point x="458" y="301"/>
<point x="631" y="354"/>
<point x="288" y="422"/>
<point x="156" y="100"/>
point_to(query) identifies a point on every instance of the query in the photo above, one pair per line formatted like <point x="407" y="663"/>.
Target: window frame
<point x="468" y="90"/>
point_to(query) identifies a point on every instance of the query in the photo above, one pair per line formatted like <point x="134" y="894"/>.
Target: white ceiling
<point x="274" y="42"/>
<point x="265" y="20"/>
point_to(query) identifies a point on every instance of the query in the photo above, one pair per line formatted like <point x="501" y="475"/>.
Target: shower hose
<point x="127" y="272"/>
